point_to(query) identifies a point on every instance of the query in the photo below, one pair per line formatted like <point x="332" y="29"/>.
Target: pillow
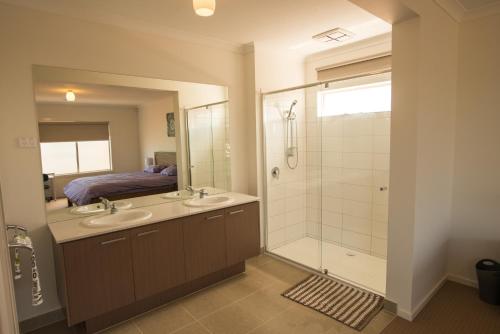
<point x="154" y="169"/>
<point x="169" y="171"/>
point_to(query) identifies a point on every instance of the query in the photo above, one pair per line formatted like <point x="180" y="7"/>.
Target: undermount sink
<point x="119" y="218"/>
<point x="98" y="208"/>
<point x="208" y="201"/>
<point x="181" y="194"/>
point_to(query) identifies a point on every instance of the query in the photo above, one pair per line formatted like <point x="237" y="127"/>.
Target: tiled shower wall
<point x="286" y="195"/>
<point x="352" y="154"/>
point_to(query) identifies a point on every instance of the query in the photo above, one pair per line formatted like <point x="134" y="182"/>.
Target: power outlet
<point x="27" y="142"/>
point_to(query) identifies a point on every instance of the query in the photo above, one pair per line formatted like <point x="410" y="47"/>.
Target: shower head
<point x="291" y="115"/>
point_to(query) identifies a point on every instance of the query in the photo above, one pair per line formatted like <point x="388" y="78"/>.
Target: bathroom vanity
<point x="108" y="274"/>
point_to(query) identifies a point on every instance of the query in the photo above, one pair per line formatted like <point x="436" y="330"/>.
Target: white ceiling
<point x="475" y="4"/>
<point x="54" y="92"/>
<point x="285" y="23"/>
<point x="463" y="10"/>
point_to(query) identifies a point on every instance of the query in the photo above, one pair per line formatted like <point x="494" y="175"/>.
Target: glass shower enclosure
<point x="209" y="150"/>
<point x="327" y="149"/>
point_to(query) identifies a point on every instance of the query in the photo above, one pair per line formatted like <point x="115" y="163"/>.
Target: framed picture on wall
<point x="170" y="124"/>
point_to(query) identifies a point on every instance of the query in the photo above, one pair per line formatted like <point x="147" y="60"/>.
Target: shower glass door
<point x="293" y="176"/>
<point x="355" y="139"/>
<point x="327" y="177"/>
<point x="208" y="146"/>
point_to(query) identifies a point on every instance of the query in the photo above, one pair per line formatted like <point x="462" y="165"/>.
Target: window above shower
<point x="357" y="99"/>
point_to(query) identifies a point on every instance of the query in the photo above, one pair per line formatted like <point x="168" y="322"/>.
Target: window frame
<point x="77" y="158"/>
<point x="365" y="81"/>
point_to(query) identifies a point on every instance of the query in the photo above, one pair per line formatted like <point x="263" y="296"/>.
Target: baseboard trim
<point x="41" y="320"/>
<point x="463" y="280"/>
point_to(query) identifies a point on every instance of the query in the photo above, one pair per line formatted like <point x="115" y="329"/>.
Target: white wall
<point x="424" y="102"/>
<point x="476" y="208"/>
<point x="273" y="69"/>
<point x="153" y="127"/>
<point x="424" y="55"/>
<point x="123" y="131"/>
<point x="38" y="38"/>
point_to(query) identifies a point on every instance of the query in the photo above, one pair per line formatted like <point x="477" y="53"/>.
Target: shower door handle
<point x="275" y="172"/>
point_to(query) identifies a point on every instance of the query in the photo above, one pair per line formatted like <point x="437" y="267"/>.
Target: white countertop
<point x="69" y="230"/>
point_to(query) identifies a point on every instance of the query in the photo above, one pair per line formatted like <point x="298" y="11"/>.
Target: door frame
<point x="8" y="314"/>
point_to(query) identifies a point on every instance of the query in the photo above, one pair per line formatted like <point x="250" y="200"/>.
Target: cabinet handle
<point x="142" y="234"/>
<point x="214" y="217"/>
<point x="236" y="212"/>
<point x="113" y="241"/>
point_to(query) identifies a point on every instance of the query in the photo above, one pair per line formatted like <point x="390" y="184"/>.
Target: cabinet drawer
<point x="242" y="232"/>
<point x="205" y="244"/>
<point x="158" y="258"/>
<point x="99" y="276"/>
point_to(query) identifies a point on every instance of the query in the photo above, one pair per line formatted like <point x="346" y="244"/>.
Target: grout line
<point x="137" y="326"/>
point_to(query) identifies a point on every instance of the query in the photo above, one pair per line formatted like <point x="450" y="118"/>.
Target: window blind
<point x="68" y="131"/>
<point x="350" y="70"/>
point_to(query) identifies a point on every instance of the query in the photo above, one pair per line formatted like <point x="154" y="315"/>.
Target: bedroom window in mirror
<point x="75" y="157"/>
<point x="73" y="148"/>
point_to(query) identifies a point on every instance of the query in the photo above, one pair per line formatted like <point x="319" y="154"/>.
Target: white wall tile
<point x="356" y="240"/>
<point x="332" y="219"/>
<point x="381" y="161"/>
<point x="357" y="160"/>
<point x="358" y="144"/>
<point x="357" y="209"/>
<point x="361" y="177"/>
<point x="331" y="234"/>
<point x="381" y="144"/>
<point x="357" y="193"/>
<point x="379" y="247"/>
<point x="356" y="224"/>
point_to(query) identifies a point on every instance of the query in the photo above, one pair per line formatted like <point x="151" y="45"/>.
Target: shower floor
<point x="358" y="268"/>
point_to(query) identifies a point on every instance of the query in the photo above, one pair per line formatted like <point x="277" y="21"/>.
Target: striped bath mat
<point x="351" y="306"/>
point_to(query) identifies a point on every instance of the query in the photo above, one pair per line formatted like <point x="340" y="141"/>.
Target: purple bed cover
<point x="82" y="190"/>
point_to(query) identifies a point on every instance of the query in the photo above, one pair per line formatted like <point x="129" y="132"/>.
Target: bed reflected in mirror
<point x="110" y="140"/>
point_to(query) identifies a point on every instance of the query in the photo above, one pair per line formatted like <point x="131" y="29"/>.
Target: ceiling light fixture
<point x="204" y="7"/>
<point x="70" y="96"/>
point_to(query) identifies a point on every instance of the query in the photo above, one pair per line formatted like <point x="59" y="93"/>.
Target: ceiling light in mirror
<point x="204" y="7"/>
<point x="70" y="96"/>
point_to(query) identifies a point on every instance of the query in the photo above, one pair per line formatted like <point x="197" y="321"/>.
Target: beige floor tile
<point x="164" y="320"/>
<point x="244" y="285"/>
<point x="295" y="320"/>
<point x="205" y="302"/>
<point x="257" y="261"/>
<point x="195" y="328"/>
<point x="233" y="319"/>
<point x="283" y="272"/>
<point x="379" y="322"/>
<point x="126" y="328"/>
<point x="266" y="303"/>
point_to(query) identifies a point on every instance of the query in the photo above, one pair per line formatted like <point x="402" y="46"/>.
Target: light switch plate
<point x="27" y="142"/>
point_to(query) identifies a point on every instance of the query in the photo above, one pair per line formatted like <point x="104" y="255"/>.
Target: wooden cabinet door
<point x="99" y="276"/>
<point x="158" y="258"/>
<point x="242" y="232"/>
<point x="205" y="244"/>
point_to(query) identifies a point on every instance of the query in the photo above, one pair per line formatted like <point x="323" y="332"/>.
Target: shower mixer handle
<point x="275" y="172"/>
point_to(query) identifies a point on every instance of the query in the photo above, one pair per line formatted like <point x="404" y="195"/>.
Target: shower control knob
<point x="275" y="172"/>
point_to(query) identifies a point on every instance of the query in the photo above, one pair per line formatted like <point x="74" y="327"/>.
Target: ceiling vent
<point x="334" y="35"/>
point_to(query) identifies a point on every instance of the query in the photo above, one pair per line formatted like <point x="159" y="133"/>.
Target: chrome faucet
<point x="203" y="193"/>
<point x="113" y="209"/>
<point x="190" y="189"/>
<point x="106" y="202"/>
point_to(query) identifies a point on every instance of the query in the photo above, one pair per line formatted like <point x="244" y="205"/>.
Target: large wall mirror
<point x="131" y="140"/>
